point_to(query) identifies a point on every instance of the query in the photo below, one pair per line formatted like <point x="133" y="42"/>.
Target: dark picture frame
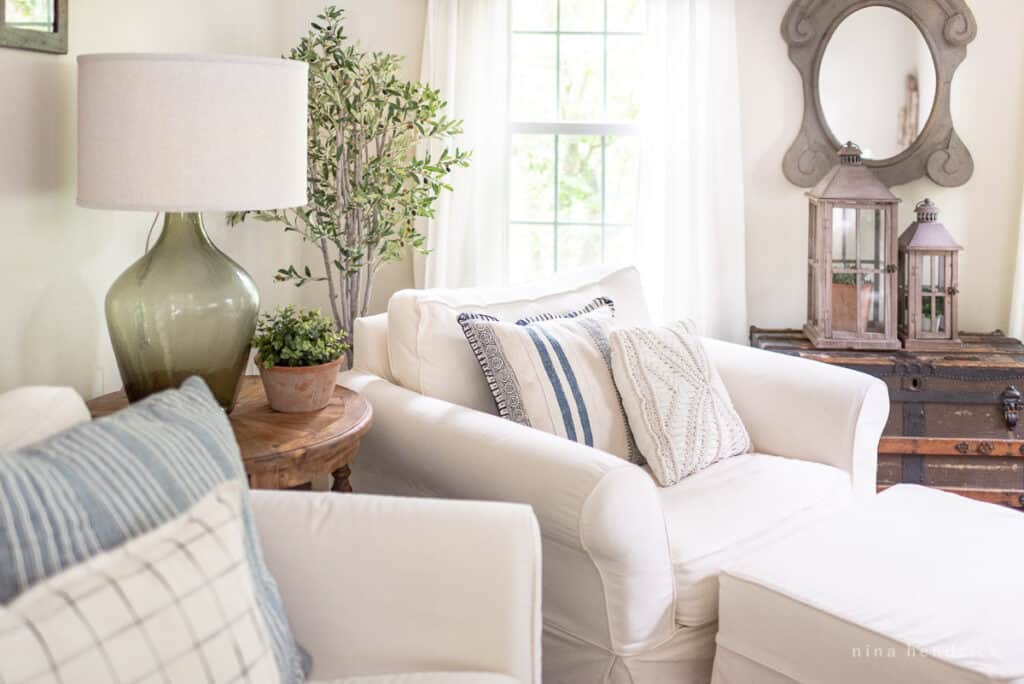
<point x="55" y="41"/>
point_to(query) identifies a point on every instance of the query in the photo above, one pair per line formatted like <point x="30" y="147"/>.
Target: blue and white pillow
<point x="553" y="372"/>
<point x="102" y="483"/>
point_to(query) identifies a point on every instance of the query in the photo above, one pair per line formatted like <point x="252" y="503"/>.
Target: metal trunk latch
<point x="1011" y="399"/>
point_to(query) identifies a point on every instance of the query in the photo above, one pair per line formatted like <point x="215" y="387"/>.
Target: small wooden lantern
<point x="851" y="278"/>
<point x="928" y="283"/>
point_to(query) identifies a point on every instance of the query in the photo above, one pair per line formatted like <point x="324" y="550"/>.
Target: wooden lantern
<point x="851" y="279"/>
<point x="928" y="283"/>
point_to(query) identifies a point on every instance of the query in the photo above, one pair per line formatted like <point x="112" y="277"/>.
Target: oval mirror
<point x="876" y="83"/>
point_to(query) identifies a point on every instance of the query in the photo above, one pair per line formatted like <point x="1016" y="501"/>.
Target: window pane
<point x="940" y="314"/>
<point x="870" y="232"/>
<point x="578" y="246"/>
<point x="579" y="178"/>
<point x="844" y="236"/>
<point x="626" y="15"/>
<point x="926" y="313"/>
<point x="581" y="15"/>
<point x="926" y="272"/>
<point x="582" y="74"/>
<point x="844" y="301"/>
<point x="621" y="173"/>
<point x="625" y="56"/>
<point x="618" y="245"/>
<point x="532" y="193"/>
<point x="531" y="251"/>
<point x="534" y="15"/>
<point x="533" y="78"/>
<point x="873" y="303"/>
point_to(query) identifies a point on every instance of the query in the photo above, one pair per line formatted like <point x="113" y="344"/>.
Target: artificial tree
<point x="370" y="174"/>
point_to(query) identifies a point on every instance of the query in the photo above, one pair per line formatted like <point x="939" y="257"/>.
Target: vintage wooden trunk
<point x="953" y="423"/>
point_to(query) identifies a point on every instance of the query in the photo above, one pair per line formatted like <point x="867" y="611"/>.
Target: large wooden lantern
<point x="851" y="279"/>
<point x="928" y="283"/>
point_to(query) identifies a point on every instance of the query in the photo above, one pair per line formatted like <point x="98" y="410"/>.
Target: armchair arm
<point x="375" y="584"/>
<point x="608" y="575"/>
<point x="805" y="409"/>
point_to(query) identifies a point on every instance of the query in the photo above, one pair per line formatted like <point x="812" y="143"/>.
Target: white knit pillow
<point x="176" y="604"/>
<point x="678" y="409"/>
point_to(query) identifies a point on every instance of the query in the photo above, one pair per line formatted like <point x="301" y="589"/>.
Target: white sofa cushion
<point x="427" y="678"/>
<point x="678" y="408"/>
<point x="554" y="374"/>
<point x="429" y="354"/>
<point x="29" y="414"/>
<point x="738" y="505"/>
<point x="915" y="585"/>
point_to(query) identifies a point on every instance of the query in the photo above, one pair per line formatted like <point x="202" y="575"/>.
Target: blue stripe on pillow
<point x="570" y="376"/>
<point x="556" y="384"/>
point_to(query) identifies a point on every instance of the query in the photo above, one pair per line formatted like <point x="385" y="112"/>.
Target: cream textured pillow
<point x="176" y="604"/>
<point x="553" y="372"/>
<point x="678" y="408"/>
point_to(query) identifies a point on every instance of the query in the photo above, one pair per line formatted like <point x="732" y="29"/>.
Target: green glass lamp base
<point x="185" y="308"/>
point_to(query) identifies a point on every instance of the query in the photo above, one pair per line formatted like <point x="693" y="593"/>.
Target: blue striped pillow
<point x="101" y="483"/>
<point x="553" y="372"/>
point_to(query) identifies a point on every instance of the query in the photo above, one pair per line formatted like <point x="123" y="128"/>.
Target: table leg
<point x="341" y="483"/>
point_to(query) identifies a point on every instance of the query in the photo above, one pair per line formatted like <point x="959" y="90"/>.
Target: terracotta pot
<point x="299" y="389"/>
<point x="844" y="306"/>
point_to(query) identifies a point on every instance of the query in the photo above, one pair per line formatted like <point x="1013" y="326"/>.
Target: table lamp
<point x="183" y="134"/>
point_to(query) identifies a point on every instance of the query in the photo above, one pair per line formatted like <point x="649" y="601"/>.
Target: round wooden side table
<point x="286" y="450"/>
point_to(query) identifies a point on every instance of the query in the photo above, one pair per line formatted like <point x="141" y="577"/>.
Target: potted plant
<point x="298" y="352"/>
<point x="378" y="162"/>
<point x="845" y="294"/>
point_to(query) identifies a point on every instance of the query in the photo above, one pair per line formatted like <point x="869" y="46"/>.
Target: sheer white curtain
<point x="465" y="55"/>
<point x="1017" y="302"/>
<point x="690" y="225"/>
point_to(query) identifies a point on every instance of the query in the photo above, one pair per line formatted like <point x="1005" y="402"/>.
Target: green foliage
<point x="297" y="337"/>
<point x="370" y="174"/>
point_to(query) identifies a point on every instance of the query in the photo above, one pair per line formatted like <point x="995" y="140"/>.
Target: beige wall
<point x="988" y="111"/>
<point x="57" y="260"/>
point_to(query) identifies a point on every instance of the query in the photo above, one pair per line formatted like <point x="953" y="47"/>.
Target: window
<point x="37" y="15"/>
<point x="574" y="99"/>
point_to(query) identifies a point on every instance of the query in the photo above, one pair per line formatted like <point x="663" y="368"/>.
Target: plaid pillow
<point x="177" y="604"/>
<point x="94" y="487"/>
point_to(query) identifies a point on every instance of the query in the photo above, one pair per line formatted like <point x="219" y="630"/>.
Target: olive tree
<point x="370" y="174"/>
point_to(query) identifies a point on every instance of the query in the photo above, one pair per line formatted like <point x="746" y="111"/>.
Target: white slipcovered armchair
<point x="378" y="589"/>
<point x="630" y="568"/>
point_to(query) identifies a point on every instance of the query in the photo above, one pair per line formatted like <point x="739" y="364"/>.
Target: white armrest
<point x="29" y="414"/>
<point x="607" y="575"/>
<point x="375" y="584"/>
<point x="806" y="410"/>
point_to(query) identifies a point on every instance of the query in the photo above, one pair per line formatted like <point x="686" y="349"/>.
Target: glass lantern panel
<point x="939" y="319"/>
<point x="844" y="302"/>
<point x="939" y="279"/>
<point x="926" y="313"/>
<point x="871" y="238"/>
<point x="926" y="273"/>
<point x="872" y="296"/>
<point x="844" y="239"/>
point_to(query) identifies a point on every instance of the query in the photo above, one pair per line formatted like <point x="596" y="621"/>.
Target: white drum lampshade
<point x="183" y="134"/>
<point x="165" y="132"/>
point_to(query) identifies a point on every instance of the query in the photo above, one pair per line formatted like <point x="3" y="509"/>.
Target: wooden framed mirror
<point x="879" y="73"/>
<point x="40" y="25"/>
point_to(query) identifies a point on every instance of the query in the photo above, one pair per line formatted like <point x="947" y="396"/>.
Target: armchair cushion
<point x="429" y="355"/>
<point x="734" y="507"/>
<point x="428" y="678"/>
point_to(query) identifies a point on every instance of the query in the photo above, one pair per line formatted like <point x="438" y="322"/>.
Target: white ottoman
<point x="915" y="586"/>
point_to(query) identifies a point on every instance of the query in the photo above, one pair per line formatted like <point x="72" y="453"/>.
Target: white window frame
<point x="602" y="129"/>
